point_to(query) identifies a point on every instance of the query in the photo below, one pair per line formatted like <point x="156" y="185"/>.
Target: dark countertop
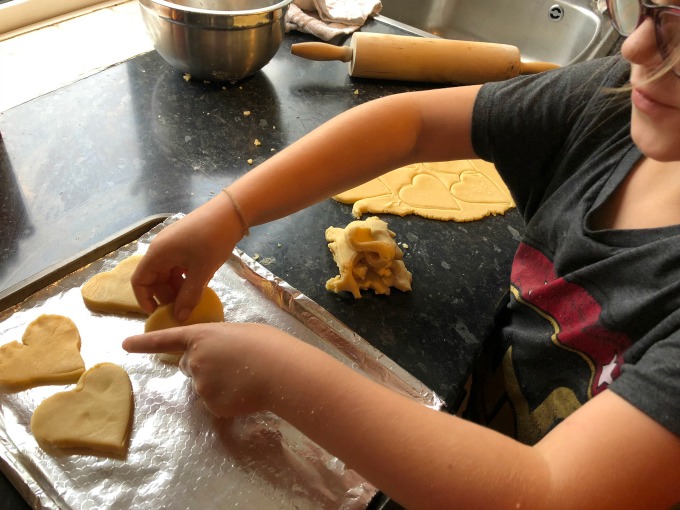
<point x="86" y="161"/>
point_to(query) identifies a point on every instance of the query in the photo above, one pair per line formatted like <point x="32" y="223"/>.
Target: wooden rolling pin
<point x="406" y="58"/>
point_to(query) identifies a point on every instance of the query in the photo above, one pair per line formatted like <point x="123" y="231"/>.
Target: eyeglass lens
<point x="627" y="15"/>
<point x="668" y="37"/>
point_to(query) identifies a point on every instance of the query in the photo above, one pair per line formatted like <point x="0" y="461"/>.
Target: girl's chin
<point x="661" y="143"/>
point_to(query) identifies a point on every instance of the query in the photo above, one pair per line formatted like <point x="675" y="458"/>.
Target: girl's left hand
<point x="233" y="367"/>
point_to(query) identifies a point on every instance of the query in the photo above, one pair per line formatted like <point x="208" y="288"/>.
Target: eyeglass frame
<point x="653" y="11"/>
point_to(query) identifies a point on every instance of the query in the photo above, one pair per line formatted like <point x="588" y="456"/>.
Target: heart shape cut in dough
<point x="427" y="192"/>
<point x="475" y="187"/>
<point x="95" y="416"/>
<point x="49" y="353"/>
<point x="111" y="291"/>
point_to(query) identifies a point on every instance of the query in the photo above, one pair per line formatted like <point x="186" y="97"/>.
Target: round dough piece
<point x="208" y="309"/>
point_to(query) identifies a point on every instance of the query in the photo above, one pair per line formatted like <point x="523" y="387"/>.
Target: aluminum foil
<point x="180" y="456"/>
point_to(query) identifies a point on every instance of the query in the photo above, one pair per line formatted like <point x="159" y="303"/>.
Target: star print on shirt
<point x="606" y="376"/>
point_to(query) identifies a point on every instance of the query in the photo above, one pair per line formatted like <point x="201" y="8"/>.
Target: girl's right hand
<point x="183" y="257"/>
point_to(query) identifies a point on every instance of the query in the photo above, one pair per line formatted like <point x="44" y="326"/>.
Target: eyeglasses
<point x="627" y="15"/>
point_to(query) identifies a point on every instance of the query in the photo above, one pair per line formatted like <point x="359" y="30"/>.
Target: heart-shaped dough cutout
<point x="49" y="353"/>
<point x="95" y="416"/>
<point x="427" y="192"/>
<point x="475" y="187"/>
<point x="111" y="291"/>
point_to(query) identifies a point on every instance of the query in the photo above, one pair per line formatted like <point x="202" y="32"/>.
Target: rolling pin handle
<point x="536" y="67"/>
<point x="322" y="51"/>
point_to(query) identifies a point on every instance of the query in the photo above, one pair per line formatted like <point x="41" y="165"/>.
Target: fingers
<point x="225" y="361"/>
<point x="156" y="342"/>
<point x="145" y="297"/>
<point x="184" y="366"/>
<point x="156" y="281"/>
<point x="151" y="285"/>
<point x="188" y="297"/>
<point x="181" y="260"/>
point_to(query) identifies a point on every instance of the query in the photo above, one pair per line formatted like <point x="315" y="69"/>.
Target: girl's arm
<point x="357" y="146"/>
<point x="351" y="149"/>
<point x="606" y="455"/>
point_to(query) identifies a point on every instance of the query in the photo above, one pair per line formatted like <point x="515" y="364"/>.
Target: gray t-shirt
<point x="588" y="310"/>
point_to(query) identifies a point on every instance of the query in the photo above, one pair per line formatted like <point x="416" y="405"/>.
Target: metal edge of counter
<point x="18" y="292"/>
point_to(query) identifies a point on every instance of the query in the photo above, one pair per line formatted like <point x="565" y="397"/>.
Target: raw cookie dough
<point x="367" y="257"/>
<point x="208" y="309"/>
<point x="111" y="291"/>
<point x="464" y="190"/>
<point x="95" y="416"/>
<point x="49" y="353"/>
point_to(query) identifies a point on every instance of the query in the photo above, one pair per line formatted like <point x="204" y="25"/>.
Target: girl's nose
<point x="640" y="47"/>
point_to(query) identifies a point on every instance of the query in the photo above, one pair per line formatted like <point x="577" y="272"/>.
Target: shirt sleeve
<point x="650" y="374"/>
<point x="526" y="125"/>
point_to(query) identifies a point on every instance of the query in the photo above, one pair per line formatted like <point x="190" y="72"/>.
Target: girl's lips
<point x="646" y="103"/>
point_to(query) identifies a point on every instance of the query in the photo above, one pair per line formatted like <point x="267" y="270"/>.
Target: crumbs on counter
<point x="246" y="113"/>
<point x="263" y="260"/>
<point x="186" y="77"/>
<point x="257" y="142"/>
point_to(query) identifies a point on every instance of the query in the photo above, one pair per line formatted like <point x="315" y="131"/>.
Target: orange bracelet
<point x="239" y="213"/>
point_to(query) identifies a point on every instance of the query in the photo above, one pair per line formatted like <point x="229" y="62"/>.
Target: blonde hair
<point x="667" y="66"/>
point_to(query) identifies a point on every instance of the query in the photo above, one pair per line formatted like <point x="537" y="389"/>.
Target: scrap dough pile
<point x="367" y="257"/>
<point x="365" y="252"/>
<point x="96" y="416"/>
<point x="464" y="190"/>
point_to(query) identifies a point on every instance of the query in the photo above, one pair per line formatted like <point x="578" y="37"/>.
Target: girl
<point x="583" y="374"/>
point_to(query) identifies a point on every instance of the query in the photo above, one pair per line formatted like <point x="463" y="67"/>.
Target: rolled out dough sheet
<point x="463" y="190"/>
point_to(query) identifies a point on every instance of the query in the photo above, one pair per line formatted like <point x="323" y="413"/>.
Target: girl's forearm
<point x="420" y="457"/>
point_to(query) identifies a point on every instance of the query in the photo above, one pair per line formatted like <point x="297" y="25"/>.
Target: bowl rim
<point x="212" y="12"/>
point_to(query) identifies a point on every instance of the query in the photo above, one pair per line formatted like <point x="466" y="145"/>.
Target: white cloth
<point x="328" y="18"/>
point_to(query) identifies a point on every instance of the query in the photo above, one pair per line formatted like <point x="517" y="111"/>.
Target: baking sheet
<point x="180" y="456"/>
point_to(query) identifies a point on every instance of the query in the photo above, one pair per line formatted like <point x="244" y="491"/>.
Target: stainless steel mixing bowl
<point x="220" y="40"/>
